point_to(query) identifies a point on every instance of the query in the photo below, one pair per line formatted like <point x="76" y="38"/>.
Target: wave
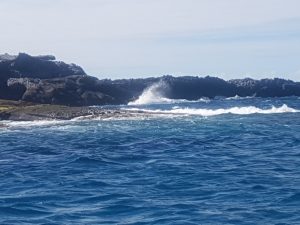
<point x="163" y="100"/>
<point x="214" y="112"/>
<point x="37" y="123"/>
<point x="154" y="94"/>
<point x="237" y="97"/>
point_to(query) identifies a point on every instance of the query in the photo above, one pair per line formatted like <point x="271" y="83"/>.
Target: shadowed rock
<point x="71" y="90"/>
<point x="41" y="79"/>
<point x="26" y="66"/>
<point x="266" y="87"/>
<point x="43" y="67"/>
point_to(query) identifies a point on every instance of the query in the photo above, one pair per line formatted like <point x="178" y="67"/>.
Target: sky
<point x="141" y="38"/>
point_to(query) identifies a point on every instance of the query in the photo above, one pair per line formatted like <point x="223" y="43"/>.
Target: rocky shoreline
<point x="42" y="88"/>
<point x="25" y="111"/>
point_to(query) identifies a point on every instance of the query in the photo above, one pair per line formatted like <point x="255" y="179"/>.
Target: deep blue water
<point x="174" y="168"/>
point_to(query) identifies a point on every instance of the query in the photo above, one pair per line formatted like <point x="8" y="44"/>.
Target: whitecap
<point x="247" y="110"/>
<point x="37" y="123"/>
<point x="237" y="97"/>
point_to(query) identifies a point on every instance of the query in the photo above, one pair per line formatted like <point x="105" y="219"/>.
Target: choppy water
<point x="187" y="165"/>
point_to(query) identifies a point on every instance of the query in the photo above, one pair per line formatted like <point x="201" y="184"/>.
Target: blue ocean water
<point x="222" y="161"/>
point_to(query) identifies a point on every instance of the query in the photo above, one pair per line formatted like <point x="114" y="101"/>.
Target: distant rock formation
<point x="41" y="79"/>
<point x="26" y="66"/>
<point x="77" y="90"/>
<point x="266" y="87"/>
<point x="43" y="67"/>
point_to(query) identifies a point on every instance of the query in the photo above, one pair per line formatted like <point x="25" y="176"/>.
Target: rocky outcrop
<point x="25" y="111"/>
<point x="72" y="90"/>
<point x="86" y="90"/>
<point x="193" y="88"/>
<point x="26" y="66"/>
<point x="266" y="87"/>
<point x="41" y="79"/>
<point x="43" y="67"/>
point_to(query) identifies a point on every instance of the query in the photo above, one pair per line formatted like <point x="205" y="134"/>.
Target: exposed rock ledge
<point x="25" y="111"/>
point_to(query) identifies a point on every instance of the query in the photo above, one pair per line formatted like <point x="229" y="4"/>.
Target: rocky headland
<point x="33" y="87"/>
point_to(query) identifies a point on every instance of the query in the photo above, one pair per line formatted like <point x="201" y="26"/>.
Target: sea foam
<point x="247" y="110"/>
<point x="34" y="123"/>
<point x="237" y="97"/>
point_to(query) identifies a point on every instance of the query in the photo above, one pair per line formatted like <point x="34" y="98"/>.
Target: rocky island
<point x="40" y="87"/>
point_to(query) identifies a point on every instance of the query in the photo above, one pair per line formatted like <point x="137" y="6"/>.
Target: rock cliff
<point x="42" y="79"/>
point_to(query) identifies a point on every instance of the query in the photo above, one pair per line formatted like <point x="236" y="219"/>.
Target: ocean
<point x="220" y="161"/>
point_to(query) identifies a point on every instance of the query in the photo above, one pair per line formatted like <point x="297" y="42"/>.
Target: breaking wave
<point x="39" y="123"/>
<point x="155" y="94"/>
<point x="214" y="112"/>
<point x="152" y="95"/>
<point x="237" y="97"/>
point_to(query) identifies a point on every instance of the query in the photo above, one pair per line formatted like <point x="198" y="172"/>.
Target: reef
<point x="26" y="111"/>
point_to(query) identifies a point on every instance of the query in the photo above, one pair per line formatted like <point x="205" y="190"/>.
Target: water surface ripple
<point x="225" y="169"/>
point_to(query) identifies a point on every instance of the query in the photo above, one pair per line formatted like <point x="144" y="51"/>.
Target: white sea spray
<point x="246" y="110"/>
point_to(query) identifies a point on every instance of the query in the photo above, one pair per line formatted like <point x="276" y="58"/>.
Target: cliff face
<point x="26" y="66"/>
<point x="41" y="79"/>
<point x="77" y="90"/>
<point x="71" y="90"/>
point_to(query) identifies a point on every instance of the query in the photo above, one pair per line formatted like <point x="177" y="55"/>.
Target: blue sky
<point x="139" y="38"/>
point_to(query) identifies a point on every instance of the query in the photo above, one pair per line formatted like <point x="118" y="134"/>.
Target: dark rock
<point x="193" y="88"/>
<point x="266" y="87"/>
<point x="26" y="66"/>
<point x="72" y="90"/>
<point x="86" y="90"/>
<point x="4" y="116"/>
<point x="41" y="79"/>
<point x="41" y="67"/>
